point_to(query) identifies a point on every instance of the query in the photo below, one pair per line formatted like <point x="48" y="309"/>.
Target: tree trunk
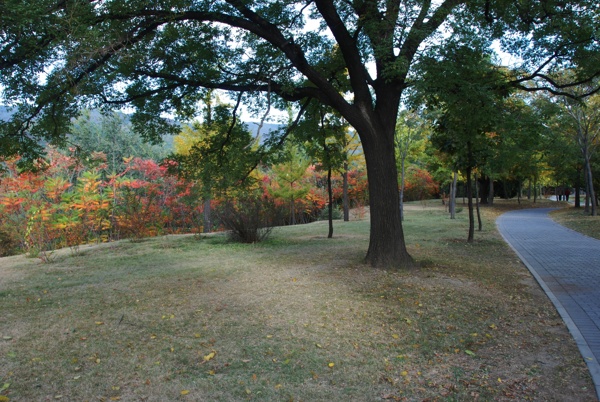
<point x="479" y="224"/>
<point x="452" y="200"/>
<point x="330" y="193"/>
<point x="345" y="201"/>
<point x="491" y="194"/>
<point x="529" y="189"/>
<point x="590" y="185"/>
<point x="471" y="236"/>
<point x="578" y="190"/>
<point x="206" y="215"/>
<point x="387" y="247"/>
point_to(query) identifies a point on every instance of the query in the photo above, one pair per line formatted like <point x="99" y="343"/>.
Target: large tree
<point x="352" y="55"/>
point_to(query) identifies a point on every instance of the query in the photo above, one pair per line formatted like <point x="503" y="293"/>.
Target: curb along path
<point x="566" y="264"/>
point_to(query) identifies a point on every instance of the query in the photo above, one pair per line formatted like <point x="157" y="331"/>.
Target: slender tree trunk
<point x="471" y="236"/>
<point x="452" y="200"/>
<point x="330" y="193"/>
<point x="529" y="189"/>
<point x="578" y="190"/>
<point x="535" y="189"/>
<point x="491" y="195"/>
<point x="387" y="247"/>
<point x="479" y="224"/>
<point x="345" y="201"/>
<point x="206" y="213"/>
<point x="519" y="193"/>
<point x="590" y="180"/>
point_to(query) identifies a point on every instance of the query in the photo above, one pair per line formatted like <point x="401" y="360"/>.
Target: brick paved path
<point x="566" y="264"/>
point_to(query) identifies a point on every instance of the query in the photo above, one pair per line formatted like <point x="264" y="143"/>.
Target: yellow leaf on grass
<point x="210" y="356"/>
<point x="395" y="336"/>
<point x="331" y="364"/>
<point x="99" y="323"/>
<point x="404" y="373"/>
<point x="185" y="392"/>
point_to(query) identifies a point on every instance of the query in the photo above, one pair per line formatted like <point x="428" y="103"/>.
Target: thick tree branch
<point x="359" y="76"/>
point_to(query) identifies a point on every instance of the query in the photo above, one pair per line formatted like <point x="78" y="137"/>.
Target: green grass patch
<point x="298" y="317"/>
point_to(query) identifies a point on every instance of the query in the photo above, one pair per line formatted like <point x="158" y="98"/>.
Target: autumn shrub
<point x="249" y="219"/>
<point x="419" y="185"/>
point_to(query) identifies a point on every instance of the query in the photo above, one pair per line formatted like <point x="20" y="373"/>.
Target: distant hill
<point x="95" y="115"/>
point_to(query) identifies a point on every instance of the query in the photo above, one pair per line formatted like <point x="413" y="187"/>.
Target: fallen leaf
<point x="210" y="356"/>
<point x="395" y="336"/>
<point x="99" y="323"/>
<point x="331" y="364"/>
<point x="470" y="353"/>
<point x="7" y="338"/>
<point x="404" y="373"/>
<point x="185" y="392"/>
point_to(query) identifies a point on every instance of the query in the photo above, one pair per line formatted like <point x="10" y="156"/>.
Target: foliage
<point x="219" y="152"/>
<point x="66" y="204"/>
<point x="290" y="180"/>
<point x="419" y="185"/>
<point x="92" y="133"/>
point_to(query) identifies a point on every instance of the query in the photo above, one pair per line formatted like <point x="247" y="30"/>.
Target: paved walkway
<point x="566" y="264"/>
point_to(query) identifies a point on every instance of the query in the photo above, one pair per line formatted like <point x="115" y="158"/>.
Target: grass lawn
<point x="297" y="318"/>
<point x="577" y="219"/>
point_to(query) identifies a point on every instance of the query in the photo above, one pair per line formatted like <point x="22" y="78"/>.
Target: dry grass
<point x="296" y="318"/>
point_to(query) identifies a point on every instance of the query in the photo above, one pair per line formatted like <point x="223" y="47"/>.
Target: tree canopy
<point x="356" y="57"/>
